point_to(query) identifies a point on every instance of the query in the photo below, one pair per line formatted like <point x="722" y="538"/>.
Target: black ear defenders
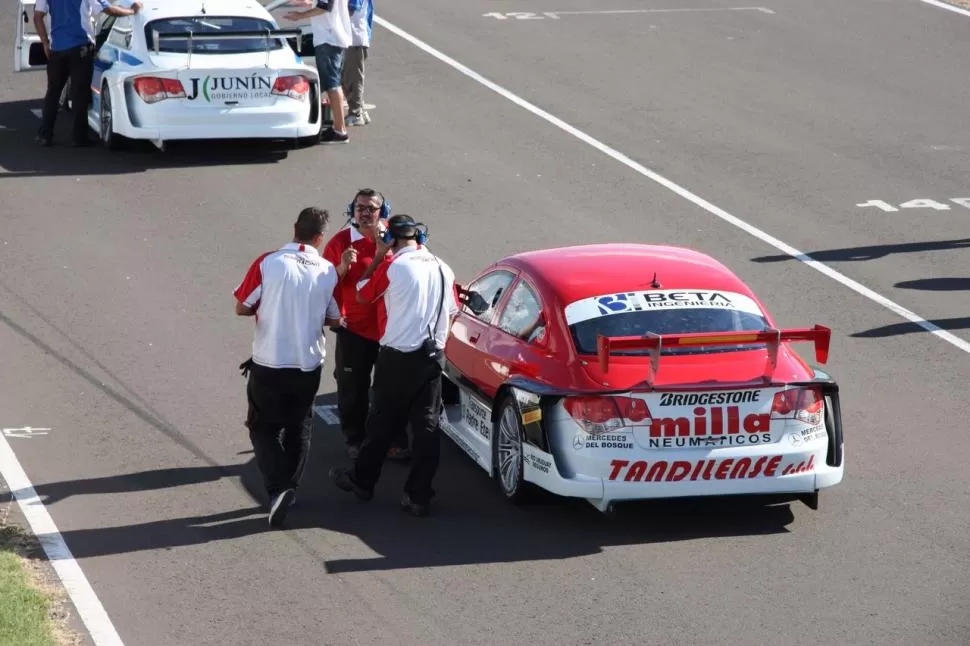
<point x="384" y="214"/>
<point x="420" y="236"/>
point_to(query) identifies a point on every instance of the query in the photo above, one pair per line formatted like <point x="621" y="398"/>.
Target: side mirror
<point x="476" y="303"/>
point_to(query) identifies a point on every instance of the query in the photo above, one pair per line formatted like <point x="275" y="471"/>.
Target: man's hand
<point x="348" y="258"/>
<point x="383" y="247"/>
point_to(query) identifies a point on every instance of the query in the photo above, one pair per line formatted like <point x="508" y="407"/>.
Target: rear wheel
<point x="109" y="139"/>
<point x="508" y="453"/>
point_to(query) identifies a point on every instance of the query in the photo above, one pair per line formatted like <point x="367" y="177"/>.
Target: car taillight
<point x="599" y="415"/>
<point x="295" y="87"/>
<point x="153" y="89"/>
<point x="803" y="404"/>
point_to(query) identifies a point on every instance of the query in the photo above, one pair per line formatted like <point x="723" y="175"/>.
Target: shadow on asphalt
<point x="936" y="284"/>
<point x="896" y="329"/>
<point x="21" y="157"/>
<point x="873" y="252"/>
<point x="470" y="522"/>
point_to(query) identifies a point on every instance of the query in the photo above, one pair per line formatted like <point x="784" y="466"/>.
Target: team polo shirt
<point x="292" y="291"/>
<point x="361" y="319"/>
<point x="71" y="21"/>
<point x="408" y="290"/>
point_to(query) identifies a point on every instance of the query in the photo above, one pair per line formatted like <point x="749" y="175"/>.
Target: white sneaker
<point x="282" y="504"/>
<point x="353" y="120"/>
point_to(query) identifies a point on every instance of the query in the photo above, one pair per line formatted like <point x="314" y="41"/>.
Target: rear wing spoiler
<point x="268" y="34"/>
<point x="819" y="334"/>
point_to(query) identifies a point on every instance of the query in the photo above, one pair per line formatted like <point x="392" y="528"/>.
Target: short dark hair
<point x="311" y="222"/>
<point x="401" y="226"/>
<point x="369" y="192"/>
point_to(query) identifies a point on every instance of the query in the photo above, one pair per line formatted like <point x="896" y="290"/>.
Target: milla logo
<point x="222" y="88"/>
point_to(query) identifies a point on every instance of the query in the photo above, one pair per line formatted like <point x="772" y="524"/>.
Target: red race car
<point x="619" y="372"/>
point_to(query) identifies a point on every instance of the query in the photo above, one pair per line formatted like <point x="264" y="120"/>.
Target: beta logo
<point x="722" y="428"/>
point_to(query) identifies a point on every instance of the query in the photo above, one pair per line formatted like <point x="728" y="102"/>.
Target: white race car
<point x="193" y="69"/>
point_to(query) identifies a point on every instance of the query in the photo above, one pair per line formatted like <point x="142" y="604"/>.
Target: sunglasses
<point x="367" y="208"/>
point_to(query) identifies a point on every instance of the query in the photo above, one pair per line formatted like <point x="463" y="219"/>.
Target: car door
<point x="466" y="348"/>
<point x="112" y="40"/>
<point x="28" y="51"/>
<point x="517" y="342"/>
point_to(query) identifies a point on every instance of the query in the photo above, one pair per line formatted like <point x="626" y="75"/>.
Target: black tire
<point x="106" y="132"/>
<point x="507" y="453"/>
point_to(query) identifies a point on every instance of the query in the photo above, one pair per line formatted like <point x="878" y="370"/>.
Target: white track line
<point x="681" y="191"/>
<point x="88" y="605"/>
<point x="947" y="6"/>
<point x="622" y="11"/>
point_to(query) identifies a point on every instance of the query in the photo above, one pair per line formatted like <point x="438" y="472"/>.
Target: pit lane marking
<point x="616" y="155"/>
<point x="947" y="6"/>
<point x="88" y="605"/>
<point x="530" y="15"/>
<point x="919" y="203"/>
<point x="326" y="413"/>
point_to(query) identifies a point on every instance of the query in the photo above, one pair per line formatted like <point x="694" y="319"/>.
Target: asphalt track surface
<point x="117" y="331"/>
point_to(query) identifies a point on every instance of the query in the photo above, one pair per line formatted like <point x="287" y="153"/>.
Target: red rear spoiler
<point x="820" y="335"/>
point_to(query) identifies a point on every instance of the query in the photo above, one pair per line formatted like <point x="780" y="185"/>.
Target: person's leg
<point x="354" y="358"/>
<point x="297" y="434"/>
<point x="82" y="69"/>
<point x="352" y="81"/>
<point x="426" y="448"/>
<point x="58" y="71"/>
<point x="393" y="388"/>
<point x="330" y="67"/>
<point x="267" y="417"/>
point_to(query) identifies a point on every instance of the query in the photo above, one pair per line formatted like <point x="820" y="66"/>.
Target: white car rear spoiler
<point x="269" y="34"/>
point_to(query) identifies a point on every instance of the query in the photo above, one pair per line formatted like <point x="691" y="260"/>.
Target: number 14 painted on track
<point x="521" y="15"/>
<point x="918" y="204"/>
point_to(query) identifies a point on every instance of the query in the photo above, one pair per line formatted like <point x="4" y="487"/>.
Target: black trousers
<point x="355" y="357"/>
<point x="407" y="389"/>
<point x="279" y="401"/>
<point x="75" y="64"/>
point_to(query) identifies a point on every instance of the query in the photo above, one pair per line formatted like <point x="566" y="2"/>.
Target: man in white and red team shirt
<point x="417" y="299"/>
<point x="290" y="292"/>
<point x="352" y="250"/>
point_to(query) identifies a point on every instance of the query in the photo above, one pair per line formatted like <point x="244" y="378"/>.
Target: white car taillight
<point x="803" y="404"/>
<point x="153" y="89"/>
<point x="295" y="87"/>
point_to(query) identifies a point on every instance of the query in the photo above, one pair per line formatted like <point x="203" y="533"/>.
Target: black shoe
<point x="43" y="141"/>
<point x="331" y="136"/>
<point x="281" y="505"/>
<point x="413" y="508"/>
<point x="344" y="482"/>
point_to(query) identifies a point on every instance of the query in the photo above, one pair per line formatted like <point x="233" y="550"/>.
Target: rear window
<point x="199" y="26"/>
<point x="663" y="312"/>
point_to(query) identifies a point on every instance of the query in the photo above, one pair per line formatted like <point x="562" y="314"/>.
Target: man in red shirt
<point x="351" y="250"/>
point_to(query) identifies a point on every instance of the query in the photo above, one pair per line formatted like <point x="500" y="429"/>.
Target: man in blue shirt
<point x="70" y="54"/>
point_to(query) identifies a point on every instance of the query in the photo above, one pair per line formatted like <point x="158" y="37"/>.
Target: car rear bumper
<point x="653" y="475"/>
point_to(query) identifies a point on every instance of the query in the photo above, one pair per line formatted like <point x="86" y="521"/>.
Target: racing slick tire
<point x="507" y="454"/>
<point x="106" y="132"/>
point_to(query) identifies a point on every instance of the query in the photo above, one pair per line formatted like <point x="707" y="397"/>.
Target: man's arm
<point x="244" y="310"/>
<point x="103" y="6"/>
<point x="40" y="12"/>
<point x="371" y="289"/>
<point x="321" y="7"/>
<point x="248" y="292"/>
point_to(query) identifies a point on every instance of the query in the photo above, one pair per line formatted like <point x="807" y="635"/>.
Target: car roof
<point x="155" y="9"/>
<point x="583" y="271"/>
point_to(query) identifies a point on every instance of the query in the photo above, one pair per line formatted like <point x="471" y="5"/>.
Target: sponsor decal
<point x="536" y="462"/>
<point x="584" y="441"/>
<point x="230" y="88"/>
<point x="811" y="434"/>
<point x="693" y="470"/>
<point x="477" y="417"/>
<point x="722" y="428"/>
<point x="710" y="399"/>
<point x="643" y="301"/>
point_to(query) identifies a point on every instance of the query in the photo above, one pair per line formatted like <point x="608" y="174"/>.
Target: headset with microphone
<point x="383" y="214"/>
<point x="393" y="231"/>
